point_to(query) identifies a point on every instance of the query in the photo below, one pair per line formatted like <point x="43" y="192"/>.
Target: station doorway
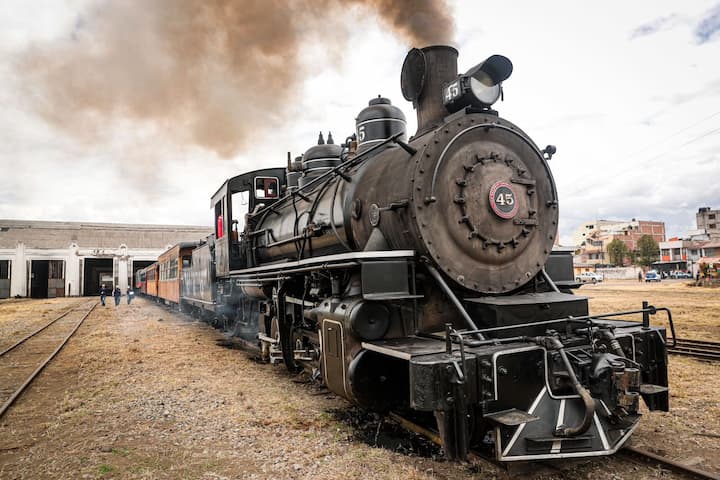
<point x="97" y="271"/>
<point x="47" y="278"/>
<point x="4" y="278"/>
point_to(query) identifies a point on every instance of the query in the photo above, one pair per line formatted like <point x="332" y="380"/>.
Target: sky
<point x="628" y="92"/>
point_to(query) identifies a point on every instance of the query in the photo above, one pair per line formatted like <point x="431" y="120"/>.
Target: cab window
<point x="239" y="207"/>
<point x="266" y="187"/>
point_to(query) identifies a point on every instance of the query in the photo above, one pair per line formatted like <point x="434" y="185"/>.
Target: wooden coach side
<point x="170" y="268"/>
<point x="151" y="277"/>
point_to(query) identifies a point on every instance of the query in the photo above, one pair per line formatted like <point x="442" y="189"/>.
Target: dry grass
<point x="136" y="397"/>
<point x="142" y="393"/>
<point x="695" y="310"/>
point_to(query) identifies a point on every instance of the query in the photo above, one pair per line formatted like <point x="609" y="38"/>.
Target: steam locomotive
<point x="409" y="275"/>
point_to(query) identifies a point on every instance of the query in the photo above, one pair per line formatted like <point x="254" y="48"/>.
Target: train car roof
<point x="149" y="267"/>
<point x="179" y="246"/>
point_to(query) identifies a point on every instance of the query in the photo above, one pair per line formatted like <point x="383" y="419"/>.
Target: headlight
<point x="479" y="87"/>
<point x="484" y="90"/>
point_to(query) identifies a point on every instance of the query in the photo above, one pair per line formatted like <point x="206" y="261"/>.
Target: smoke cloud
<point x="210" y="73"/>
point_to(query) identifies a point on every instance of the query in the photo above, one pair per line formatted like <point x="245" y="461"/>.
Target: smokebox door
<point x="412" y="76"/>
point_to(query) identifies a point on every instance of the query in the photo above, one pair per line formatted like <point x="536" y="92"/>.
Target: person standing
<point x="103" y="294"/>
<point x="130" y="295"/>
<point x="640" y="276"/>
<point x="117" y="293"/>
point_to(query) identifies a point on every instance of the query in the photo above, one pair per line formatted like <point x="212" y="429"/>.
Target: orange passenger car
<point x="151" y="278"/>
<point x="170" y="267"/>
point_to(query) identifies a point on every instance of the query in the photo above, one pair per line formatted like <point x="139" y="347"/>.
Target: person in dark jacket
<point x="130" y="295"/>
<point x="103" y="294"/>
<point x="117" y="293"/>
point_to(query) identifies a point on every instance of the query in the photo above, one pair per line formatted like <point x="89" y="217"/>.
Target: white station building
<point x="53" y="259"/>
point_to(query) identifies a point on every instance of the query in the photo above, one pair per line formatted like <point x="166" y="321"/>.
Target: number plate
<point x="503" y="201"/>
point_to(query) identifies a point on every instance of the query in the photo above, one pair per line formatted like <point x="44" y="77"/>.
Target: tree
<point x="648" y="250"/>
<point x="617" y="251"/>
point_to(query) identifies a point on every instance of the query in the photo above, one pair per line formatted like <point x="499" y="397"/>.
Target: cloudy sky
<point x="122" y="111"/>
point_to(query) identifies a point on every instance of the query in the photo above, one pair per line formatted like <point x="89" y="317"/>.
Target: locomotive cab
<point x="233" y="204"/>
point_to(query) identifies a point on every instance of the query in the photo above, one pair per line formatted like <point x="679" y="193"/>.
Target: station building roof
<point x="48" y="234"/>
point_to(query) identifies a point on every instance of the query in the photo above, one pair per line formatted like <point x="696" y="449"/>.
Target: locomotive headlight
<point x="485" y="90"/>
<point x="481" y="86"/>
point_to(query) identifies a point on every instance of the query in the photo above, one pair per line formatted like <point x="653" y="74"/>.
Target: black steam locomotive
<point x="409" y="275"/>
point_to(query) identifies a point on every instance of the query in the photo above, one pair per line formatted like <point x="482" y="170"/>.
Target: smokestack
<point x="425" y="71"/>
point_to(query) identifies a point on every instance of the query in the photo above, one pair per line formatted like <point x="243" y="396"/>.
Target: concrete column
<point x="72" y="271"/>
<point x="123" y="273"/>
<point x="18" y="282"/>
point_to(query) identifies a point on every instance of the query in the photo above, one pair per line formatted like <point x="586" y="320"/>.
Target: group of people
<point x="116" y="293"/>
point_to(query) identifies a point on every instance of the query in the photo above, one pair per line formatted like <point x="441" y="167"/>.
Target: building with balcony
<point x="593" y="238"/>
<point x="687" y="255"/>
<point x="709" y="221"/>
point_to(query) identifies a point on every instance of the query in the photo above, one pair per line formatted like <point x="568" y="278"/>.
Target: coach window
<point x="266" y="187"/>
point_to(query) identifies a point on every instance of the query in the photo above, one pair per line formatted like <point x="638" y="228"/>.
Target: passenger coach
<point x="170" y="268"/>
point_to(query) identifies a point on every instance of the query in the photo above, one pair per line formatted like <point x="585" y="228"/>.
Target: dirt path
<point x="144" y="393"/>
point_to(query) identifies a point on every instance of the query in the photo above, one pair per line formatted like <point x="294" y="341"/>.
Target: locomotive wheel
<point x="286" y="331"/>
<point x="287" y="344"/>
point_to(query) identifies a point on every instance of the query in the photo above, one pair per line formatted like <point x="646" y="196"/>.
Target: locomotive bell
<point x="319" y="159"/>
<point x="377" y="122"/>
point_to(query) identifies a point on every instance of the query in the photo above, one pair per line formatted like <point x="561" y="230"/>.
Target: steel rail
<point x="630" y="452"/>
<point x="23" y="340"/>
<point x="432" y="436"/>
<point x="37" y="371"/>
<point x="702" y="349"/>
<point x="651" y="457"/>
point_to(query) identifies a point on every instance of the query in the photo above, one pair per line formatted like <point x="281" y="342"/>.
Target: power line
<point x="655" y="157"/>
<point x="673" y="135"/>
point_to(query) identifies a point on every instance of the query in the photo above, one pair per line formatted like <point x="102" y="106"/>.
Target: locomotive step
<point x="511" y="417"/>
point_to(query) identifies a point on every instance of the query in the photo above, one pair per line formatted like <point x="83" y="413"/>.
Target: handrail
<point x="582" y="319"/>
<point x="453" y="298"/>
<point x="349" y="162"/>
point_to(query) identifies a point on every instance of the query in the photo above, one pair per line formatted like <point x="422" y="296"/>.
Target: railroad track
<point x="632" y="453"/>
<point x="696" y="348"/>
<point x="21" y="362"/>
<point x="655" y="459"/>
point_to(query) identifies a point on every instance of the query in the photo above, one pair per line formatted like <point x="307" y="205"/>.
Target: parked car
<point x="589" y="277"/>
<point x="679" y="274"/>
<point x="652" y="276"/>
